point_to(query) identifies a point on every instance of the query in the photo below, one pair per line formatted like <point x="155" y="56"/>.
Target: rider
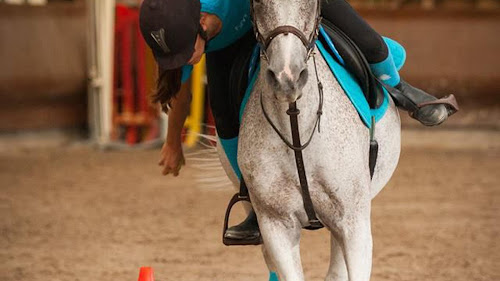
<point x="179" y="32"/>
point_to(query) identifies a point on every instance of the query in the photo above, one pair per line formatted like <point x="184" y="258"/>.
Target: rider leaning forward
<point x="179" y="32"/>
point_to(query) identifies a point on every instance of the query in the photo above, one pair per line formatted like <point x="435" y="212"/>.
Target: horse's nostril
<point x="271" y="77"/>
<point x="304" y="74"/>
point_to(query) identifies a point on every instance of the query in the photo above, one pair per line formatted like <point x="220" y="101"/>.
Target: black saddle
<point x="355" y="63"/>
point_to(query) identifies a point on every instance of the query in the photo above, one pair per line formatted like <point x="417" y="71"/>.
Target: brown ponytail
<point x="167" y="87"/>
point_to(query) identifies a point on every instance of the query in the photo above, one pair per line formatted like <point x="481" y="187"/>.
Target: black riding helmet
<point x="170" y="28"/>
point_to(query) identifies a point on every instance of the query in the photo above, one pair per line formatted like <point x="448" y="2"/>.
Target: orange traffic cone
<point x="146" y="274"/>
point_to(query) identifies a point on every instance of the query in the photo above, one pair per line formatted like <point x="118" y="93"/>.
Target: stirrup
<point x="237" y="242"/>
<point x="450" y="102"/>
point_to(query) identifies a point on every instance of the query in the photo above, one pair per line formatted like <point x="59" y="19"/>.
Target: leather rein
<point x="293" y="111"/>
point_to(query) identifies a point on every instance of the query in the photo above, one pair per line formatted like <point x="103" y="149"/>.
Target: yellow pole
<point x="195" y="118"/>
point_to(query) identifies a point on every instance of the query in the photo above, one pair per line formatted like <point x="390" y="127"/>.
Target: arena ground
<point x="70" y="212"/>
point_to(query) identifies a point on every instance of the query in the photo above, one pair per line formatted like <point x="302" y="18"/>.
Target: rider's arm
<point x="178" y="114"/>
<point x="235" y="18"/>
<point x="171" y="154"/>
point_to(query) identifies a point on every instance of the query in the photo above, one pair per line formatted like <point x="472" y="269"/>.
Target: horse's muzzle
<point x="287" y="87"/>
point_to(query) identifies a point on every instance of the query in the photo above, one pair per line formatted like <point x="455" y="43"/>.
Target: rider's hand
<point x="172" y="159"/>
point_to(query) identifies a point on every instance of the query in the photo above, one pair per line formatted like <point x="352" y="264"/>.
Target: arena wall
<point x="43" y="66"/>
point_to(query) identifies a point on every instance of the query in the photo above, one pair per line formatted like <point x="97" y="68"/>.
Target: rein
<point x="293" y="111"/>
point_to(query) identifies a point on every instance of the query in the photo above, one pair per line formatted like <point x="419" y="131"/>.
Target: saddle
<point x="354" y="61"/>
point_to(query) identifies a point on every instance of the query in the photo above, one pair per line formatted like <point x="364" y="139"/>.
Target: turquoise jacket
<point x="236" y="21"/>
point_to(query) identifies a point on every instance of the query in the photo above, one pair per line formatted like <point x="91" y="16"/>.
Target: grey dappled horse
<point x="336" y="161"/>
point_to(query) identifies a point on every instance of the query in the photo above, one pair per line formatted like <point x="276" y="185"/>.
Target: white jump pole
<point x="101" y="14"/>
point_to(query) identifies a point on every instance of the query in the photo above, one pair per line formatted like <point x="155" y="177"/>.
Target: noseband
<point x="293" y="111"/>
<point x="308" y="42"/>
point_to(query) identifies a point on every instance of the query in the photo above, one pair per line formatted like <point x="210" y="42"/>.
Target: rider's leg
<point x="226" y="118"/>
<point x="222" y="102"/>
<point x="340" y="13"/>
<point x="226" y="115"/>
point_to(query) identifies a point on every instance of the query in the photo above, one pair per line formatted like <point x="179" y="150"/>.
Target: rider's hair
<point x="167" y="87"/>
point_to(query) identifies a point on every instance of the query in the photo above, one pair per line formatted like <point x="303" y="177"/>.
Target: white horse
<point x="336" y="161"/>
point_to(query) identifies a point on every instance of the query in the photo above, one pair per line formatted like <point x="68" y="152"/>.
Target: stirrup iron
<point x="238" y="197"/>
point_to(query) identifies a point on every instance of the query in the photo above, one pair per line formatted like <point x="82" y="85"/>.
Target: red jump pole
<point x="128" y="80"/>
<point x="119" y="27"/>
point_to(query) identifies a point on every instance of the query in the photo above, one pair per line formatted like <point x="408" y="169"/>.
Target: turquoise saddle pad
<point x="346" y="80"/>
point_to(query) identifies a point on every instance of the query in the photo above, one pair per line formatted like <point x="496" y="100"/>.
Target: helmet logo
<point x="159" y="37"/>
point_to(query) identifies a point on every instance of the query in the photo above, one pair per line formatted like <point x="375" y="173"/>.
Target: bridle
<point x="264" y="41"/>
<point x="309" y="43"/>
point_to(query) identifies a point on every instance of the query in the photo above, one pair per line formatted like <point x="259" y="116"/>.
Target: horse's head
<point x="287" y="31"/>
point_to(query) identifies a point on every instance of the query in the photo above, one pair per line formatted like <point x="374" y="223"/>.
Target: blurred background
<point x="81" y="196"/>
<point x="84" y="67"/>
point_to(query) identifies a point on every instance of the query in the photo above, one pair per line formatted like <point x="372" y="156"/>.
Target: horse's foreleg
<point x="282" y="243"/>
<point x="337" y="270"/>
<point x="356" y="240"/>
<point x="270" y="264"/>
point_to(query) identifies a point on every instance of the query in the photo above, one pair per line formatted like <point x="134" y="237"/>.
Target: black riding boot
<point x="245" y="233"/>
<point x="424" y="107"/>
